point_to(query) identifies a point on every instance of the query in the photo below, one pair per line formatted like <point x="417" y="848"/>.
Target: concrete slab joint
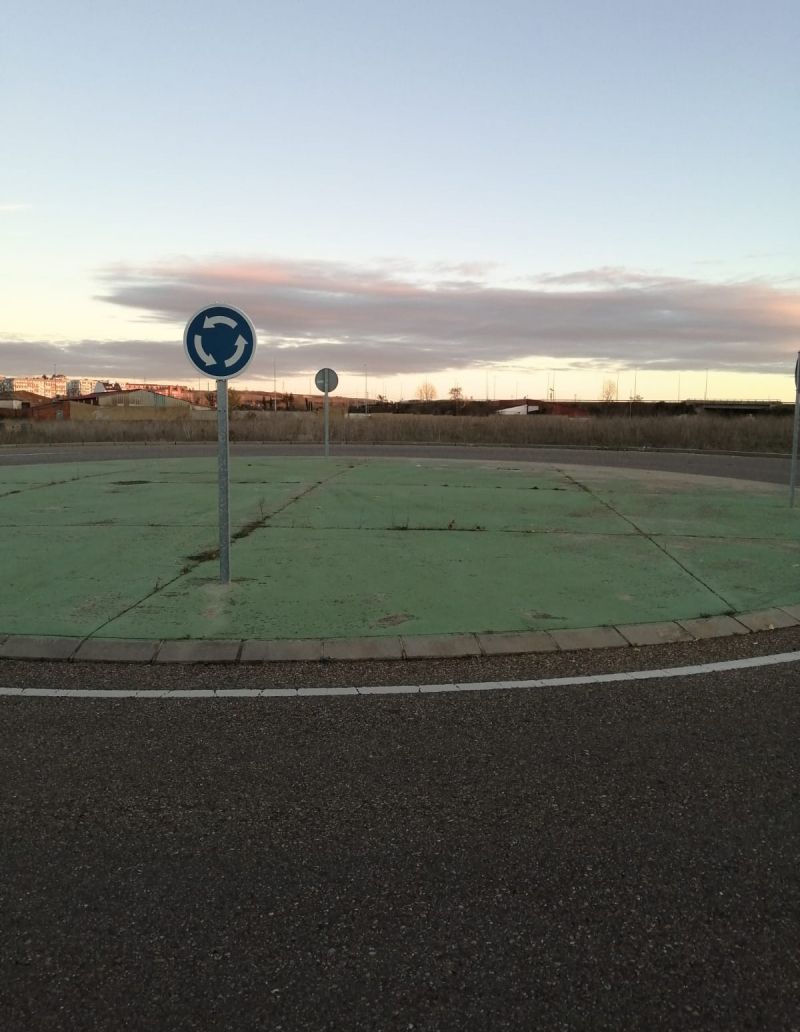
<point x="109" y="650"/>
<point x="501" y="644"/>
<point x="713" y="627"/>
<point x="198" y="652"/>
<point x="654" y="633"/>
<point x="588" y="638"/>
<point x="362" y="648"/>
<point x="451" y="646"/>
<point x="38" y="647"/>
<point x="767" y="619"/>
<point x="308" y="650"/>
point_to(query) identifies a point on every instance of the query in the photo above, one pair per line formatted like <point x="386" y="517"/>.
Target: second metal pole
<point x="224" y="483"/>
<point x="793" y="474"/>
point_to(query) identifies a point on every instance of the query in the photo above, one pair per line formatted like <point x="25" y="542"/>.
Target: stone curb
<point x="444" y="646"/>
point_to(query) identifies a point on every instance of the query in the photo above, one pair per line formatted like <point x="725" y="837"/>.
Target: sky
<point x="511" y="197"/>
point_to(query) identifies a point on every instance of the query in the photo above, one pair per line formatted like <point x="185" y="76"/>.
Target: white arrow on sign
<point x="211" y="321"/>
<point x="204" y="355"/>
<point x="241" y="344"/>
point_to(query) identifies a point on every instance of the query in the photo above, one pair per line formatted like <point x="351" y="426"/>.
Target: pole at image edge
<point x="793" y="472"/>
<point x="224" y="483"/>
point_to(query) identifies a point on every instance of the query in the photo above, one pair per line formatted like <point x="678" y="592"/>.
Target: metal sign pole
<point x="220" y="341"/>
<point x="224" y="483"/>
<point x="327" y="425"/>
<point x="326" y="380"/>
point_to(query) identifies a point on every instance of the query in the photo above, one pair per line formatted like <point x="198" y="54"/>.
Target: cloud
<point x="392" y="321"/>
<point x="155" y="361"/>
<point x="382" y="317"/>
<point x="7" y="207"/>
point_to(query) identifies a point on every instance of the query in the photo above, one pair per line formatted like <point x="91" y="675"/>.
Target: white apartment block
<point x="59" y="386"/>
<point x="84" y="385"/>
<point x="54" y="386"/>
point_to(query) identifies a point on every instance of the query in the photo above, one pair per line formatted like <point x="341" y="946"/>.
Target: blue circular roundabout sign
<point x="219" y="341"/>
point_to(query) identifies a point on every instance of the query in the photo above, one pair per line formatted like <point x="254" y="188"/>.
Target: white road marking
<point x="404" y="689"/>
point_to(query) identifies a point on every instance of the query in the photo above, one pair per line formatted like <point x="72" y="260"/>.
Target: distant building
<point x="83" y="385"/>
<point x="173" y="390"/>
<point x="138" y="398"/>
<point x="114" y="405"/>
<point x="26" y="398"/>
<point x="518" y="410"/>
<point x="54" y="386"/>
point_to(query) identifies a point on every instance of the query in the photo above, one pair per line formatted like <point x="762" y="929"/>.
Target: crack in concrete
<point x="158" y="587"/>
<point x="258" y="524"/>
<point x="51" y="483"/>
<point x="647" y="537"/>
<point x="202" y="557"/>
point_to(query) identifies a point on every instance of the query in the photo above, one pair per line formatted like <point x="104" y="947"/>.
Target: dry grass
<point x="712" y="433"/>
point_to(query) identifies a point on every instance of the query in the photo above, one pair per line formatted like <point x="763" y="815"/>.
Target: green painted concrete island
<point x="383" y="549"/>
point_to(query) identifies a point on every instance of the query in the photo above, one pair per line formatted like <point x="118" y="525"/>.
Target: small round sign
<point x="326" y="380"/>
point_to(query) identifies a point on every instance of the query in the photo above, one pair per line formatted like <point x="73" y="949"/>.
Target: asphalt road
<point x="772" y="469"/>
<point x="614" y="857"/>
<point x="609" y="857"/>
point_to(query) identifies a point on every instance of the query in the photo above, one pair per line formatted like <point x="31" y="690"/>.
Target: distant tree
<point x="609" y="391"/>
<point x="426" y="391"/>
<point x="457" y="398"/>
<point x="234" y="399"/>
